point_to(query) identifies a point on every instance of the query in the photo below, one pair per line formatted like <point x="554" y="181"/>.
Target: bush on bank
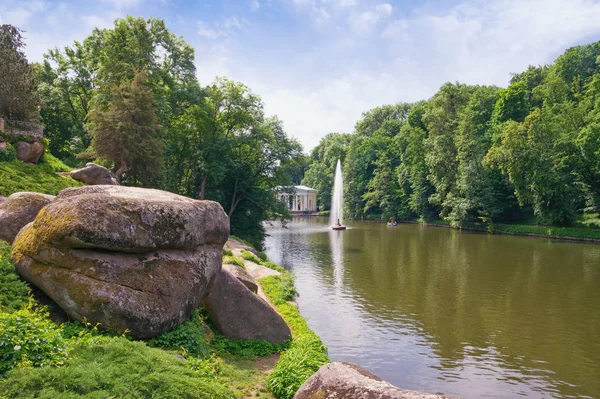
<point x="306" y="353"/>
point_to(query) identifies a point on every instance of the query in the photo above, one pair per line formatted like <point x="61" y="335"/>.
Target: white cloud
<point x="254" y="5"/>
<point x="19" y="16"/>
<point x="205" y="31"/>
<point x="362" y="22"/>
<point x="384" y="9"/>
<point x="121" y="4"/>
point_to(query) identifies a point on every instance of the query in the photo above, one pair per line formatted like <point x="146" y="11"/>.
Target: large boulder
<point x="30" y="153"/>
<point x="243" y="276"/>
<point x="18" y="210"/>
<point x="94" y="175"/>
<point x="128" y="258"/>
<point x="344" y="380"/>
<point x="239" y="314"/>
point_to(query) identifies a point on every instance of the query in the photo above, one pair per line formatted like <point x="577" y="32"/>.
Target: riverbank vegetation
<point x="527" y="154"/>
<point x="39" y="358"/>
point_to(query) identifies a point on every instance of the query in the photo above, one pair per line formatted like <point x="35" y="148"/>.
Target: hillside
<point x="18" y="176"/>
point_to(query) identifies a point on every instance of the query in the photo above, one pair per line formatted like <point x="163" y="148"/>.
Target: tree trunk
<point x="120" y="171"/>
<point x="203" y="186"/>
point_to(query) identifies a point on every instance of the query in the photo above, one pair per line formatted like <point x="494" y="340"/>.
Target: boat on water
<point x="392" y="224"/>
<point x="338" y="226"/>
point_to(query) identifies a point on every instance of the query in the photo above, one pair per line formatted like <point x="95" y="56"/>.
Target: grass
<point x="251" y="257"/>
<point x="14" y="292"/>
<point x="306" y="353"/>
<point x="281" y="287"/>
<point x="114" y="368"/>
<point x="232" y="260"/>
<point x="16" y="176"/>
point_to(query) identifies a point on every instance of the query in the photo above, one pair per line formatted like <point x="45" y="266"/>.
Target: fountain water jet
<point x="337" y="200"/>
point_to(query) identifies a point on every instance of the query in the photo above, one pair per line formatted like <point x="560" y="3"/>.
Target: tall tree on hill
<point x="18" y="96"/>
<point x="126" y="132"/>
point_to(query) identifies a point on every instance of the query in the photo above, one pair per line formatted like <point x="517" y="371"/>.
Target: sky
<point x="319" y="64"/>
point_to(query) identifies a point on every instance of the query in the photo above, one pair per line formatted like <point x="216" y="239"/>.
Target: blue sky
<point x="319" y="64"/>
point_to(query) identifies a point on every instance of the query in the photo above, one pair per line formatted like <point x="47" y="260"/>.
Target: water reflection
<point x="465" y="314"/>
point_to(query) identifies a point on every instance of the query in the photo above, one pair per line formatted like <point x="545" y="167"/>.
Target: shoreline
<point x="498" y="230"/>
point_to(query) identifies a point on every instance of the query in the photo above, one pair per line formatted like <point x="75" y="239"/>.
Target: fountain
<point x="337" y="200"/>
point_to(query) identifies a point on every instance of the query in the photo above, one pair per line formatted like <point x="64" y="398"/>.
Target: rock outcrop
<point x="240" y="314"/>
<point x="30" y="153"/>
<point x="243" y="276"/>
<point x="94" y="175"/>
<point x="18" y="210"/>
<point x="347" y="380"/>
<point x="127" y="258"/>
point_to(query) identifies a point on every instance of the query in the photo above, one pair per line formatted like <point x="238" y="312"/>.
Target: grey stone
<point x="93" y="175"/>
<point x="243" y="276"/>
<point x="19" y="209"/>
<point x="239" y="314"/>
<point x="29" y="153"/>
<point x="127" y="258"/>
<point x="344" y="380"/>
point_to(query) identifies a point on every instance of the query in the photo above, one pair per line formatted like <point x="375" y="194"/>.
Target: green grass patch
<point x="14" y="292"/>
<point x="232" y="260"/>
<point x="114" y="368"/>
<point x="16" y="176"/>
<point x="250" y="256"/>
<point x="306" y="353"/>
<point x="227" y="252"/>
<point x="192" y="336"/>
<point x="246" y="349"/>
<point x="281" y="288"/>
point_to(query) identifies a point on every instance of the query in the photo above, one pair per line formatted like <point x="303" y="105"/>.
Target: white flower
<point x="17" y="347"/>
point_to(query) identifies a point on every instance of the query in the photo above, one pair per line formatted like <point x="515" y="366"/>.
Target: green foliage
<point x="306" y="353"/>
<point x="29" y="338"/>
<point x="246" y="349"/>
<point x="273" y="266"/>
<point x="232" y="260"/>
<point x="18" y="97"/>
<point x="250" y="256"/>
<point x="190" y="335"/>
<point x="281" y="288"/>
<point x="227" y="252"/>
<point x="114" y="367"/>
<point x="13" y="290"/>
<point x="295" y="366"/>
<point x="9" y="154"/>
<point x="125" y="131"/>
<point x="18" y="176"/>
<point x="262" y="256"/>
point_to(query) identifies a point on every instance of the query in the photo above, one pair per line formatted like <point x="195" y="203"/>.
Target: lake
<point x="439" y="310"/>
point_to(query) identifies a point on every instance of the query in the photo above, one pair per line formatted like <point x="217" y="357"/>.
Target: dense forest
<point x="129" y="99"/>
<point x="528" y="152"/>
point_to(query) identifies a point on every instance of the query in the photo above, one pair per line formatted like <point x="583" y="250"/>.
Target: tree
<point x="18" y="97"/>
<point x="126" y="132"/>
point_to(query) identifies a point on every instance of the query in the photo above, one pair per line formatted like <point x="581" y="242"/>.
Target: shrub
<point x="232" y="260"/>
<point x="246" y="349"/>
<point x="29" y="338"/>
<point x="191" y="336"/>
<point x="114" y="368"/>
<point x="306" y="353"/>
<point x="250" y="256"/>
<point x="8" y="155"/>
<point x="296" y="366"/>
<point x="273" y="266"/>
<point x="13" y="290"/>
<point x="281" y="288"/>
<point x="262" y="256"/>
<point x="227" y="252"/>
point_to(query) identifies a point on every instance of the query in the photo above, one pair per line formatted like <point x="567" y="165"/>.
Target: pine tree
<point x="18" y="97"/>
<point x="126" y="132"/>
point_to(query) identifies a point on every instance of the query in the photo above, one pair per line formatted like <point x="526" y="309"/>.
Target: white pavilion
<point x="304" y="200"/>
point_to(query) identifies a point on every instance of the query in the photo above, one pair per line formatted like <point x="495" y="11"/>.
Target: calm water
<point x="433" y="309"/>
